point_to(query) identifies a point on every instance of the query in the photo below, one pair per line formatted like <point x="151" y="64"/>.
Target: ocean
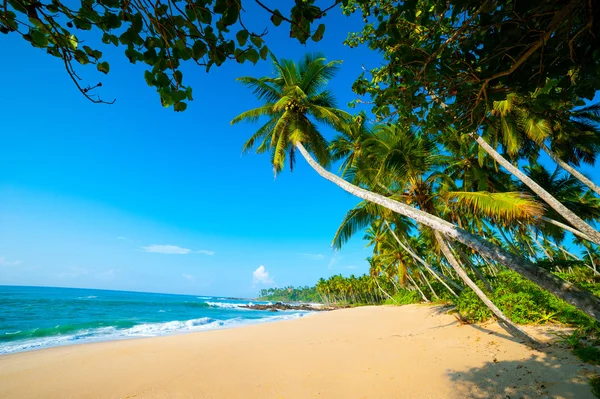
<point x="42" y="317"/>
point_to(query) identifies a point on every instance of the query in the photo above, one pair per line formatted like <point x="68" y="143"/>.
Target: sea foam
<point x="142" y="330"/>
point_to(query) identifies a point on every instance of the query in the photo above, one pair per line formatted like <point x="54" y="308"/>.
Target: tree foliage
<point x="162" y="35"/>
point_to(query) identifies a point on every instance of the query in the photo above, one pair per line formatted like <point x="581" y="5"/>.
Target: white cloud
<point x="6" y="262"/>
<point x="188" y="277"/>
<point x="205" y="252"/>
<point x="122" y="238"/>
<point x="312" y="256"/>
<point x="167" y="249"/>
<point x="261" y="276"/>
<point x="174" y="250"/>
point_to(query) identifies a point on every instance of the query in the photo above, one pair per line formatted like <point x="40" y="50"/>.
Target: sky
<point x="133" y="196"/>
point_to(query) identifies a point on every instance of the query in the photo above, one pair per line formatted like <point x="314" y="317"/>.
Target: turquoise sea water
<point x="41" y="317"/>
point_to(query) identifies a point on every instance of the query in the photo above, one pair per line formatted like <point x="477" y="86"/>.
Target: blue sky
<point x="133" y="196"/>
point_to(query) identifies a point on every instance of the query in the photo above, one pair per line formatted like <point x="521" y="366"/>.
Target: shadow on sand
<point x="548" y="373"/>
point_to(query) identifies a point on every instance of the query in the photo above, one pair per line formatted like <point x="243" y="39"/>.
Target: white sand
<point x="371" y="352"/>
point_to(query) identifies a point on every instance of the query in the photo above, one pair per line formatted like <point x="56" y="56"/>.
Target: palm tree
<point x="573" y="134"/>
<point x="296" y="99"/>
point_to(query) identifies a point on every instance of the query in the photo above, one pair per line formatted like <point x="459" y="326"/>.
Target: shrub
<point x="595" y="383"/>
<point x="404" y="297"/>
<point x="523" y="302"/>
<point x="470" y="306"/>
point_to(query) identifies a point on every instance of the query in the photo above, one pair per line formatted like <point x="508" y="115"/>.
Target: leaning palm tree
<point x="296" y="100"/>
<point x="574" y="135"/>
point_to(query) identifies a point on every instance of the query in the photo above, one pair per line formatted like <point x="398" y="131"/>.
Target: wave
<point x="87" y="297"/>
<point x="204" y="297"/>
<point x="226" y="305"/>
<point x="141" y="330"/>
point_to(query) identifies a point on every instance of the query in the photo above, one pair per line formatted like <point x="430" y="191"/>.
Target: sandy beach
<point x="369" y="352"/>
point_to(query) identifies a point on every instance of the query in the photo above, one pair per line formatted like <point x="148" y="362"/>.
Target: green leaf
<point x="180" y="107"/>
<point x="149" y="77"/>
<point x="178" y="76"/>
<point x="38" y="38"/>
<point x="257" y="41"/>
<point x="277" y="18"/>
<point x="318" y="35"/>
<point x="264" y="52"/>
<point x="252" y="56"/>
<point x="178" y="96"/>
<point x="103" y="67"/>
<point x="198" y="50"/>
<point x="108" y="38"/>
<point x="81" y="57"/>
<point x="242" y="37"/>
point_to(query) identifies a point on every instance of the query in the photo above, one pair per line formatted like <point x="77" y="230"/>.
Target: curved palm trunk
<point x="465" y="277"/>
<point x="423" y="277"/>
<point x="425" y="264"/>
<point x="562" y="210"/>
<point x="465" y="260"/>
<point x="574" y="172"/>
<point x="417" y="287"/>
<point x="539" y="244"/>
<point x="582" y="300"/>
<point x="565" y="227"/>
<point x="382" y="290"/>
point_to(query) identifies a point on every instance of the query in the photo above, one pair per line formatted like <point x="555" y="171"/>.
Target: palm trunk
<point x="562" y="210"/>
<point x="574" y="172"/>
<point x="568" y="228"/>
<point x="382" y="290"/>
<point x="508" y="241"/>
<point x="425" y="264"/>
<point x="582" y="300"/>
<point x="417" y="287"/>
<point x="477" y="272"/>
<point x="423" y="277"/>
<point x="539" y="244"/>
<point x="461" y="272"/>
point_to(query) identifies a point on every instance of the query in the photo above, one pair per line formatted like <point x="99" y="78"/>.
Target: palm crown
<point x="295" y="101"/>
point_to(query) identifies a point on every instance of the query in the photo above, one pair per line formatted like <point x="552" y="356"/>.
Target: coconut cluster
<point x="295" y="106"/>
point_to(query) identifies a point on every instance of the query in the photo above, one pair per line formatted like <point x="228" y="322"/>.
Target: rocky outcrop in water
<point x="275" y="307"/>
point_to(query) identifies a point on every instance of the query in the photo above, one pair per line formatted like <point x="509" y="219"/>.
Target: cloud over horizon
<point x="261" y="276"/>
<point x="174" y="250"/>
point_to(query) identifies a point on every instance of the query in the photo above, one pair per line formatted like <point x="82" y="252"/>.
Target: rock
<point x="284" y="306"/>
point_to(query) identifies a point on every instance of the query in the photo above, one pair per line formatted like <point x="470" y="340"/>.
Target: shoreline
<point x="367" y="352"/>
<point x="285" y="316"/>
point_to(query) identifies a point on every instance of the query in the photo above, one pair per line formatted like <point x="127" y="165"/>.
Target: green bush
<point x="470" y="306"/>
<point x="441" y="291"/>
<point x="595" y="383"/>
<point x="523" y="302"/>
<point x="404" y="297"/>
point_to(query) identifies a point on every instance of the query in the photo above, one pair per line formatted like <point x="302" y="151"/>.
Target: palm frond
<point x="263" y="88"/>
<point x="505" y="207"/>
<point x="254" y="114"/>
<point x="263" y="131"/>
